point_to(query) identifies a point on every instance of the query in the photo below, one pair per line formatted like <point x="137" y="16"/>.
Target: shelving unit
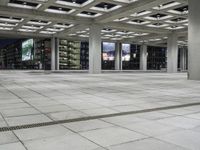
<point x="63" y="55"/>
<point x="11" y="56"/>
<point x="42" y="54"/>
<point x="69" y="54"/>
<point x="156" y="58"/>
<point x="84" y="58"/>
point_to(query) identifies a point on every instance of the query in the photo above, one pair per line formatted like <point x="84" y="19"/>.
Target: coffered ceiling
<point x="124" y="20"/>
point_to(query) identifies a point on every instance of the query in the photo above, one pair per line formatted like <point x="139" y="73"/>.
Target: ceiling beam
<point x="46" y="5"/>
<point x="41" y="15"/>
<point x="129" y="9"/>
<point x="72" y="30"/>
<point x="134" y="28"/>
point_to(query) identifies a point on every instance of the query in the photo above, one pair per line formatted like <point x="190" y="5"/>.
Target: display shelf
<point x="42" y="54"/>
<point x="69" y="54"/>
<point x="84" y="55"/>
<point x="156" y="59"/>
<point x="11" y="56"/>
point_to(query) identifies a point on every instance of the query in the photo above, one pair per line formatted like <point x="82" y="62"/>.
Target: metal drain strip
<point x="11" y="128"/>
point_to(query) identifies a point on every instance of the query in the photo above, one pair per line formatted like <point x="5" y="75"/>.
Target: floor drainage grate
<point x="11" y="128"/>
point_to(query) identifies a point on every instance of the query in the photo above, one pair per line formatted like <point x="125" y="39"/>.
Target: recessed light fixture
<point x="166" y="5"/>
<point x="74" y="3"/>
<point x="105" y="7"/>
<point x="24" y="4"/>
<point x="6" y="28"/>
<point x="26" y="30"/>
<point x="47" y="32"/>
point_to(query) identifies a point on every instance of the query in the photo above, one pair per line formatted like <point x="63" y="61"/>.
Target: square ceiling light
<point x="11" y="19"/>
<point x="175" y="27"/>
<point x="158" y="25"/>
<point x="180" y="11"/>
<point x="59" y="10"/>
<point x="6" y="24"/>
<point x="39" y="22"/>
<point x="23" y="4"/>
<point x="141" y="13"/>
<point x="26" y="30"/>
<point x="126" y="1"/>
<point x="158" y="16"/>
<point x="32" y="27"/>
<point x="105" y="7"/>
<point x="47" y="32"/>
<point x="166" y="5"/>
<point x="63" y="25"/>
<point x="54" y="29"/>
<point x="74" y="3"/>
<point x="107" y="30"/>
<point x="121" y="19"/>
<point x="6" y="28"/>
<point x="177" y="20"/>
<point x="138" y="22"/>
<point x="89" y="14"/>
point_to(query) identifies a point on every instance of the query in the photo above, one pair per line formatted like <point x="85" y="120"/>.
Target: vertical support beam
<point x="118" y="56"/>
<point x="194" y="41"/>
<point x="183" y="59"/>
<point x="143" y="57"/>
<point x="57" y="55"/>
<point x="95" y="49"/>
<point x="172" y="53"/>
<point x="53" y="53"/>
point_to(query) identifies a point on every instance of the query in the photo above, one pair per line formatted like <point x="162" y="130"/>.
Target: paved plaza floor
<point x="117" y="103"/>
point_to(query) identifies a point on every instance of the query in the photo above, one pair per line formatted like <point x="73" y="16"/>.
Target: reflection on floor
<point x="28" y="97"/>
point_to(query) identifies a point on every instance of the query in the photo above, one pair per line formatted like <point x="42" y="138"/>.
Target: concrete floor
<point x="35" y="97"/>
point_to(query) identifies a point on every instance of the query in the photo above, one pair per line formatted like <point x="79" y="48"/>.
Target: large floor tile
<point x="70" y="142"/>
<point x="66" y="115"/>
<point x="120" y="120"/>
<point x="7" y="137"/>
<point x="30" y="119"/>
<point x="87" y="125"/>
<point x="112" y="136"/>
<point x="146" y="144"/>
<point x="151" y="128"/>
<point x="12" y="146"/>
<point x="42" y="132"/>
<point x="182" y="122"/>
<point x="19" y="112"/>
<point x="185" y="138"/>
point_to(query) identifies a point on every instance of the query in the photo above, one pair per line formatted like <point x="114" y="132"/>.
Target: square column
<point x="118" y="56"/>
<point x="194" y="40"/>
<point x="172" y="53"/>
<point x="183" y="59"/>
<point x="53" y="53"/>
<point x="143" y="57"/>
<point x="57" y="55"/>
<point x="95" y="49"/>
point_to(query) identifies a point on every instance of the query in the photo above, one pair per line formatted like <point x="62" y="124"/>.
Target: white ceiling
<point x="124" y="20"/>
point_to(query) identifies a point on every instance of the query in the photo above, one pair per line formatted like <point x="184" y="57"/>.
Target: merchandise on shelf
<point x="69" y="55"/>
<point x="156" y="58"/>
<point x="42" y="55"/>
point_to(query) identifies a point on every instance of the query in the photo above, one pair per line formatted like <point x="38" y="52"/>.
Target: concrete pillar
<point x="118" y="56"/>
<point x="57" y="55"/>
<point x="194" y="40"/>
<point x="183" y="60"/>
<point x="53" y="53"/>
<point x="95" y="49"/>
<point x="143" y="57"/>
<point x="172" y="53"/>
